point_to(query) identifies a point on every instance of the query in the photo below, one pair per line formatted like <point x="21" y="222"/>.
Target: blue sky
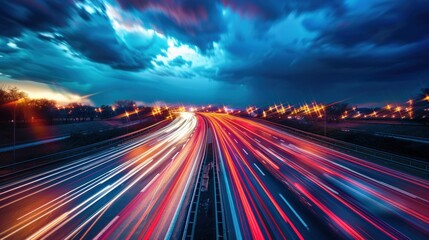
<point x="233" y="52"/>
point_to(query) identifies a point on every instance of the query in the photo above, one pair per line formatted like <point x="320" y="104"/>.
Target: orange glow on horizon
<point x="38" y="90"/>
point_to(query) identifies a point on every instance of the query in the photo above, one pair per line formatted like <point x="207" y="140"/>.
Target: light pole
<point x="137" y="112"/>
<point x="14" y="129"/>
<point x="324" y="128"/>
<point x="14" y="132"/>
<point x="325" y="125"/>
<point x="128" y="117"/>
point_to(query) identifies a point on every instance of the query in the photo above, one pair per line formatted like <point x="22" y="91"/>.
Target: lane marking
<point x="259" y="169"/>
<point x="150" y="183"/>
<point x="85" y="167"/>
<point x="294" y="212"/>
<point x="245" y="151"/>
<point x="106" y="227"/>
<point x="370" y="178"/>
<point x="257" y="140"/>
<point x="330" y="189"/>
<point x="175" y="155"/>
<point x="235" y="140"/>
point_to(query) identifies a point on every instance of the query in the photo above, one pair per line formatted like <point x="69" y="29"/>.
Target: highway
<point x="280" y="186"/>
<point x="137" y="190"/>
<point x="273" y="185"/>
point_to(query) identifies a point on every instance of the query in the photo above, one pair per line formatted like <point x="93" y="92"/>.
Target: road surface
<point x="136" y="190"/>
<point x="281" y="186"/>
<point x="274" y="185"/>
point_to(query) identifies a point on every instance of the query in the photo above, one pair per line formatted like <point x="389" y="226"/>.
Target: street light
<point x="137" y="112"/>
<point x="325" y="115"/>
<point x="14" y="128"/>
<point x="128" y="117"/>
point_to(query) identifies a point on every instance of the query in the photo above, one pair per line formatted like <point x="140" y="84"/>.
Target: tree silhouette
<point x="8" y="103"/>
<point x="421" y="105"/>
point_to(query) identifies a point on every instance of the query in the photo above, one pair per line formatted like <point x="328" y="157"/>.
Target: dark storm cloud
<point x="272" y="47"/>
<point x="40" y="60"/>
<point x="273" y="9"/>
<point x="358" y="74"/>
<point x="18" y="15"/>
<point x="383" y="63"/>
<point x="90" y="35"/>
<point x="321" y="67"/>
<point x="371" y="48"/>
<point x="183" y="12"/>
<point x="198" y="22"/>
<point x="392" y="22"/>
<point x="97" y="40"/>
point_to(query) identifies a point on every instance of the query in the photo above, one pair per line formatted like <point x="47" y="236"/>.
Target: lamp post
<point x="14" y="129"/>
<point x="324" y="128"/>
<point x="137" y="112"/>
<point x="128" y="117"/>
<point x="14" y="133"/>
<point x="325" y="125"/>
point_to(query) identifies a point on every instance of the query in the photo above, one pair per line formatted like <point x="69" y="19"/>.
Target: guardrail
<point x="411" y="163"/>
<point x="225" y="224"/>
<point x="220" y="215"/>
<point x="71" y="153"/>
<point x="208" y="166"/>
<point x="190" y="222"/>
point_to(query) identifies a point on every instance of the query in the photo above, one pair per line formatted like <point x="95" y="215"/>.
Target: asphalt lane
<point x="352" y="197"/>
<point x="274" y="186"/>
<point x="136" y="190"/>
<point x="262" y="206"/>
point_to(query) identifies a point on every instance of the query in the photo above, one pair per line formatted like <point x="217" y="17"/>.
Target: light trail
<point x="252" y="197"/>
<point x="275" y="185"/>
<point x="76" y="199"/>
<point x="351" y="197"/>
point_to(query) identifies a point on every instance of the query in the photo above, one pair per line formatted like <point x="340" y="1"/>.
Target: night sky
<point x="233" y="52"/>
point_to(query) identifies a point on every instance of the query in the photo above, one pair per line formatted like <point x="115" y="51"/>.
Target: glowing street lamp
<point x="325" y="115"/>
<point x="137" y="112"/>
<point x="14" y="127"/>
<point x="128" y="117"/>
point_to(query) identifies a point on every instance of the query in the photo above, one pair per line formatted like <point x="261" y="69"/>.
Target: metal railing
<point x="220" y="218"/>
<point x="192" y="215"/>
<point x="411" y="163"/>
<point x="71" y="153"/>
